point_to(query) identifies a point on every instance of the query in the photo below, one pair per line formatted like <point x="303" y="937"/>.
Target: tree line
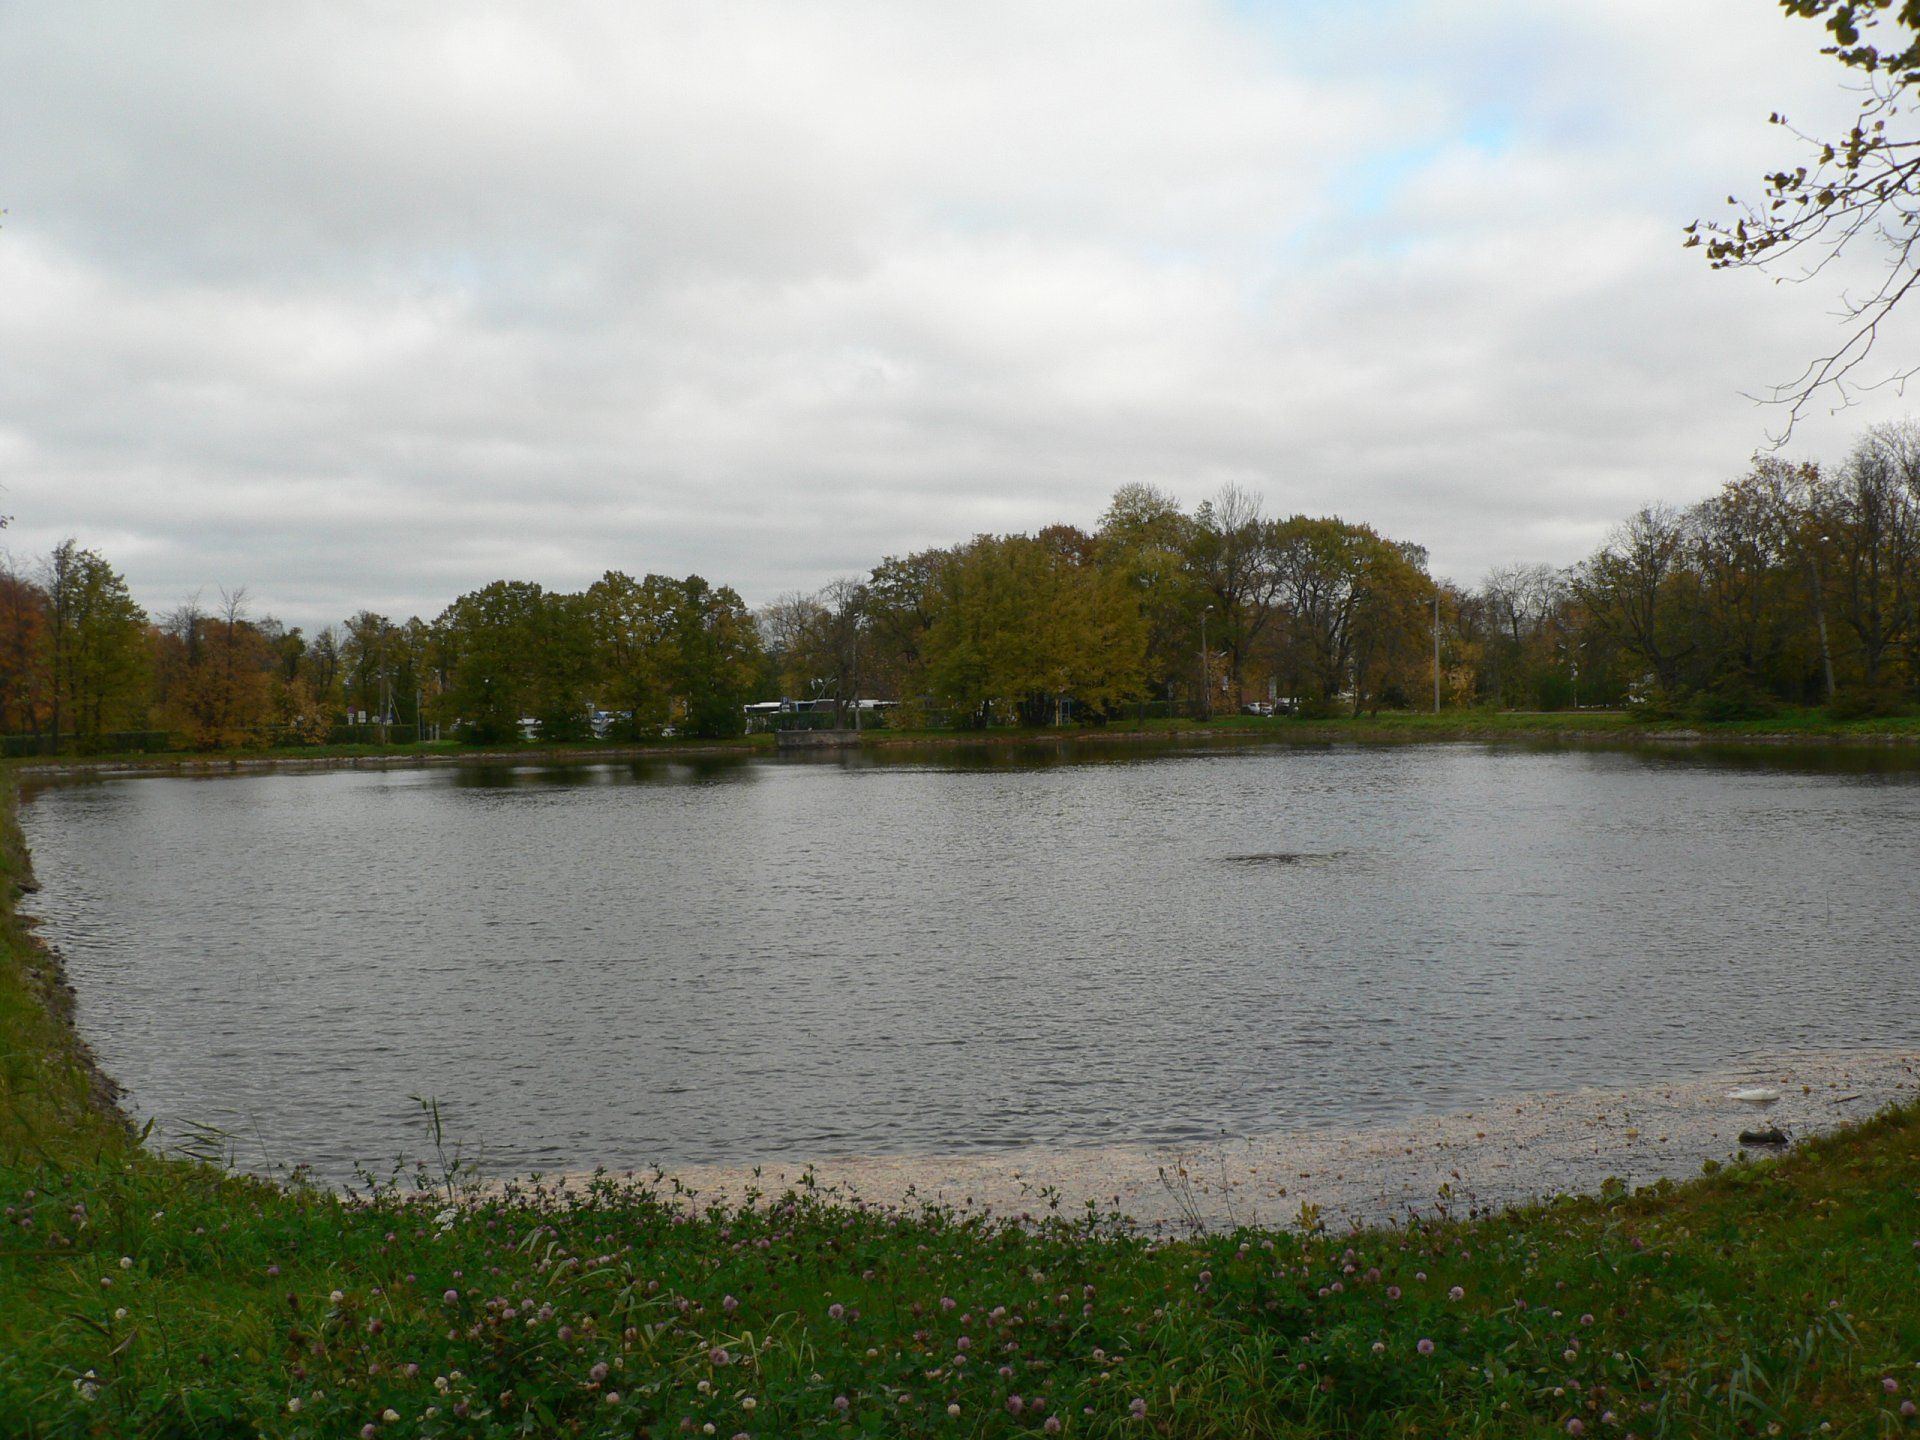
<point x="1796" y="583"/>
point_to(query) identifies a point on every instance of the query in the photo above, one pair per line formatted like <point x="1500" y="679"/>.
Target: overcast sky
<point x="367" y="304"/>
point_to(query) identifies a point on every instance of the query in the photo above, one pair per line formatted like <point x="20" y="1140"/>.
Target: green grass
<point x="52" y="1104"/>
<point x="148" y="1297"/>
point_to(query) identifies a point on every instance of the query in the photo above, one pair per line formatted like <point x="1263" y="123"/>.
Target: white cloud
<point x="364" y="304"/>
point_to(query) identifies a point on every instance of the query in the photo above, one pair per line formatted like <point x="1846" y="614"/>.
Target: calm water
<point x="754" y="958"/>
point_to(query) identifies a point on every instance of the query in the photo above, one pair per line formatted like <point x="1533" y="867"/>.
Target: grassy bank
<point x="147" y="1297"/>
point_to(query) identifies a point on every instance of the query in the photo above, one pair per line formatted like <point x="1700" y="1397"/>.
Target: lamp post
<point x="1572" y="652"/>
<point x="1820" y="615"/>
<point x="856" y="676"/>
<point x="1206" y="666"/>
<point x="1436" y="651"/>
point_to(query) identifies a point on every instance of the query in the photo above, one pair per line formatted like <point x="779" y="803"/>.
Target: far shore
<point x="1515" y="1150"/>
<point x="1602" y="729"/>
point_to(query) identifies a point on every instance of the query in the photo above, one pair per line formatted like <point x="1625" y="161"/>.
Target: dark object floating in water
<point x="1772" y="1135"/>
<point x="1286" y="857"/>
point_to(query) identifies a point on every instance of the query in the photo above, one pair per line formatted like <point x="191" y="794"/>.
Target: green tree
<point x="96" y="639"/>
<point x="900" y="600"/>
<point x="564" y="666"/>
<point x="718" y="655"/>
<point x="1146" y="539"/>
<point x="366" y="665"/>
<point x="1022" y="627"/>
<point x="489" y="636"/>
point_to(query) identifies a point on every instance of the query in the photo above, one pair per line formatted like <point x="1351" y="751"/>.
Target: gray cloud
<point x="363" y="304"/>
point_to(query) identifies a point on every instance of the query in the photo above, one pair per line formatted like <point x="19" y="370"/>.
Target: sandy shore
<point x="1521" y="1148"/>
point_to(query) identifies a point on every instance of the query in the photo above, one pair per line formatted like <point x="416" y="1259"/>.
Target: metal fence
<point x="111" y="742"/>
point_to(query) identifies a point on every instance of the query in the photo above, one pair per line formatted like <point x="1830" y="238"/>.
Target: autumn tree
<point x="1750" y="614"/>
<point x="216" y="674"/>
<point x="1392" y="634"/>
<point x="1021" y="628"/>
<point x="1639" y="589"/>
<point x="1353" y="607"/>
<point x="23" y="652"/>
<point x="1868" y="509"/>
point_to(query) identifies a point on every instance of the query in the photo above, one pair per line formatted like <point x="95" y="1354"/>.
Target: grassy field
<point x="148" y="1297"/>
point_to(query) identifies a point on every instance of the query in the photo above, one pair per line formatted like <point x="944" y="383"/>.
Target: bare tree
<point x="1236" y="560"/>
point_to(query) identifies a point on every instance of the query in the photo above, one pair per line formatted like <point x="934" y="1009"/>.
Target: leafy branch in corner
<point x="1865" y="184"/>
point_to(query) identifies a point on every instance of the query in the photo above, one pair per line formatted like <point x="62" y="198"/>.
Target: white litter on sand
<point x="1520" y="1148"/>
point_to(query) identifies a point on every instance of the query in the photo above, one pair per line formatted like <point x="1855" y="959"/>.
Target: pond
<point x="737" y="959"/>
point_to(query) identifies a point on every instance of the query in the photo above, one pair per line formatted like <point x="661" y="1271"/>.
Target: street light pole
<point x="1820" y="616"/>
<point x="1436" y="652"/>
<point x="1206" y="666"/>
